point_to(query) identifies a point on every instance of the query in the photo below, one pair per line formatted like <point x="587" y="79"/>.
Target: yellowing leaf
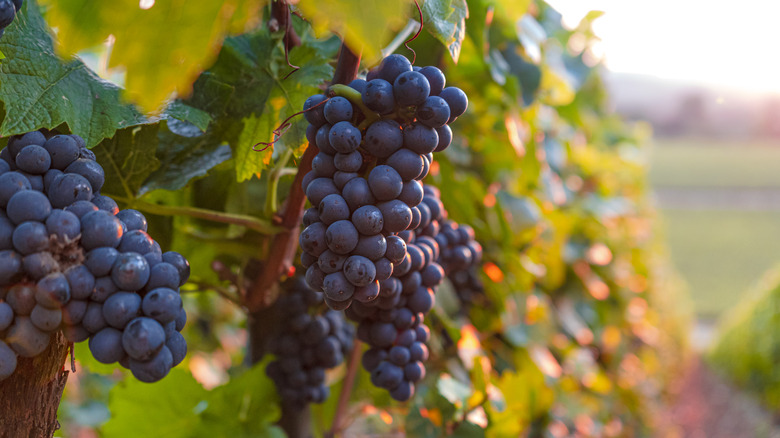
<point x="162" y="48"/>
<point x="366" y="25"/>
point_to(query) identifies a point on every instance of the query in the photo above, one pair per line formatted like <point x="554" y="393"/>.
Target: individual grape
<point x="312" y="239"/>
<point x="457" y="100"/>
<point x="33" y="159"/>
<point x="396" y="214"/>
<point x="80" y="208"/>
<point x="93" y="320"/>
<point x="10" y="183"/>
<point x="322" y="140"/>
<point x="445" y="138"/>
<point x="383" y="138"/>
<point x="337" y="109"/>
<point x="137" y="241"/>
<point x="178" y="347"/>
<point x="310" y="216"/>
<point x="387" y="376"/>
<point x="330" y="262"/>
<point x="372" y="247"/>
<point x="333" y="208"/>
<point x="367" y="293"/>
<point x="17" y="143"/>
<point x="49" y="177"/>
<point x="39" y="264"/>
<point x="30" y="237"/>
<point x="314" y="116"/>
<point x="106" y="345"/>
<point x="100" y="229"/>
<point x="396" y="249"/>
<point x="142" y="338"/>
<point x="435" y="79"/>
<point x="120" y="308"/>
<point x="154" y="369"/>
<point x="319" y="188"/>
<point x="351" y="162"/>
<point x="28" y="205"/>
<point x="36" y="181"/>
<point x="357" y="193"/>
<point x="434" y="112"/>
<point x="10" y="265"/>
<point x="411" y="193"/>
<point x="26" y="339"/>
<point x="73" y="312"/>
<point x="359" y="270"/>
<point x="6" y="315"/>
<point x="181" y="264"/>
<point x="89" y="169"/>
<point x="104" y="288"/>
<point x="21" y="298"/>
<point x="315" y="277"/>
<point x="358" y="84"/>
<point x="163" y="275"/>
<point x="63" y="150"/>
<point x="337" y="288"/>
<point x="378" y="96"/>
<point x="63" y="225"/>
<point x="420" y="139"/>
<point x="368" y="220"/>
<point x="101" y="260"/>
<point x="134" y="219"/>
<point x="399" y="355"/>
<point x="46" y="319"/>
<point x="6" y="233"/>
<point x="403" y="392"/>
<point x="69" y="188"/>
<point x="7" y="13"/>
<point x="344" y="137"/>
<point x="392" y="66"/>
<point x="181" y="320"/>
<point x="408" y="164"/>
<point x="105" y="203"/>
<point x="341" y="237"/>
<point x="162" y="304"/>
<point x="130" y="271"/>
<point x="7" y="360"/>
<point x="411" y="88"/>
<point x="382" y="334"/>
<point x="342" y="178"/>
<point x="52" y="291"/>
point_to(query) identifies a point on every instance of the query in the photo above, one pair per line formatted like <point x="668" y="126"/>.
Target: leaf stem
<point x="260" y="225"/>
<point x="271" y="199"/>
<point x="354" y="97"/>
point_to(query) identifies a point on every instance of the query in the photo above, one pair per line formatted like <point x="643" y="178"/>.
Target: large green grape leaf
<point x="39" y="90"/>
<point x="163" y="47"/>
<point x="366" y="25"/>
<point x="446" y="20"/>
<point x="128" y="159"/>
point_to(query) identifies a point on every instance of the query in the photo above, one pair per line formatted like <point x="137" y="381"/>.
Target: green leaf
<point x="128" y="159"/>
<point x="167" y="408"/>
<point x="185" y="113"/>
<point x="184" y="158"/>
<point x="249" y="162"/>
<point x="39" y="90"/>
<point x="446" y="20"/>
<point x="162" y="48"/>
<point x="366" y="25"/>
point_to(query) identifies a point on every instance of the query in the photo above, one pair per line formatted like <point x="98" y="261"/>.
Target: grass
<point x="721" y="253"/>
<point x="691" y="162"/>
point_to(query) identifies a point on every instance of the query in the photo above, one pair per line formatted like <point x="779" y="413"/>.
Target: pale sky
<point x="718" y="42"/>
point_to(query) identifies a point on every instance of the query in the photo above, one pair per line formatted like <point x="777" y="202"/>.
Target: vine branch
<point x="346" y="390"/>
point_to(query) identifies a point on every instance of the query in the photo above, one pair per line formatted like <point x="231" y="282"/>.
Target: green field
<point x="720" y="253"/>
<point x="715" y="163"/>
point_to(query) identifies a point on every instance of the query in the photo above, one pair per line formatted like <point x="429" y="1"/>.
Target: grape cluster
<point x="307" y="343"/>
<point x="8" y="10"/>
<point x="70" y="260"/>
<point x="393" y="324"/>
<point x="365" y="184"/>
<point x="460" y="253"/>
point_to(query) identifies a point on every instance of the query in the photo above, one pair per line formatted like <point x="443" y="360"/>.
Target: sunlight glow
<point x="689" y="40"/>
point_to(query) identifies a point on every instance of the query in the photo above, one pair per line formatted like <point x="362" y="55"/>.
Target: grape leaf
<point x="366" y="25"/>
<point x="184" y="38"/>
<point x="128" y="159"/>
<point x="39" y="90"/>
<point x="446" y="21"/>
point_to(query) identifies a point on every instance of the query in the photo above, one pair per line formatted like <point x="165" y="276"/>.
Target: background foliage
<point x="574" y="331"/>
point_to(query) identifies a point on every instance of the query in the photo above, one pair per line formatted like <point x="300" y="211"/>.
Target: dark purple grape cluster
<point x="308" y="341"/>
<point x="365" y="185"/>
<point x="8" y="11"/>
<point x="460" y="252"/>
<point x="393" y="324"/>
<point x="70" y="260"/>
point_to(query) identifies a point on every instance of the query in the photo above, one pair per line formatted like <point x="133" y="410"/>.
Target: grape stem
<point x="355" y="98"/>
<point x="271" y="199"/>
<point x="346" y="391"/>
<point x="260" y="225"/>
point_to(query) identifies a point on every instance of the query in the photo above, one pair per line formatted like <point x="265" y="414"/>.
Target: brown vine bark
<point x="30" y="397"/>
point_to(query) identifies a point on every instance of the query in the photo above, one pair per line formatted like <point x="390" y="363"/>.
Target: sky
<point x="715" y="42"/>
